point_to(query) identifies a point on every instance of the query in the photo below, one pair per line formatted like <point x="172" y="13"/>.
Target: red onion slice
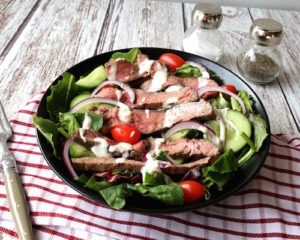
<point x="124" y="86"/>
<point x="91" y="100"/>
<point x="192" y="125"/>
<point x="67" y="160"/>
<point x="203" y="69"/>
<point x="205" y="89"/>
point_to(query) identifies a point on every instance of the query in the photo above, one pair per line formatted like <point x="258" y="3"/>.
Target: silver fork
<point x="14" y="190"/>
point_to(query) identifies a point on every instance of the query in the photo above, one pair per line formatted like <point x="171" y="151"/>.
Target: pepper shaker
<point x="204" y="38"/>
<point x="260" y="60"/>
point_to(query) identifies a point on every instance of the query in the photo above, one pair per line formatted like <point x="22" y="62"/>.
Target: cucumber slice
<point x="97" y="76"/>
<point x="89" y="106"/>
<point x="236" y="123"/>
<point x="77" y="150"/>
<point x="186" y="133"/>
<point x="79" y="98"/>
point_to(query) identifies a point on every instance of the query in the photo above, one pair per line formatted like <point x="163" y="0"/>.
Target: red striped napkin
<point x="268" y="207"/>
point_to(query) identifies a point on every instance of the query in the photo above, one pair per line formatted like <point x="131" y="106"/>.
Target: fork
<point x="14" y="190"/>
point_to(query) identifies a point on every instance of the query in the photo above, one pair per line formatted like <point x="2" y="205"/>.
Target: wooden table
<point x="40" y="39"/>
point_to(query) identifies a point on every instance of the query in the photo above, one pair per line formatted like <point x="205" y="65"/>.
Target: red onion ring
<point x="124" y="86"/>
<point x="67" y="160"/>
<point x="203" y="69"/>
<point x="91" y="100"/>
<point x="205" y="89"/>
<point x="192" y="125"/>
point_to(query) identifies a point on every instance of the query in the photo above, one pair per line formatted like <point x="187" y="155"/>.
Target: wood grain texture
<point x="12" y="19"/>
<point x="136" y="23"/>
<point x="235" y="27"/>
<point x="56" y="37"/>
<point x="289" y="80"/>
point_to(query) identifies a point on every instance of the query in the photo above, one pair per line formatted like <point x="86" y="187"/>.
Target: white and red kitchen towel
<point x="268" y="207"/>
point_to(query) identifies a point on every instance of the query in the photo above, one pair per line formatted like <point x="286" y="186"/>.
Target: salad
<point x="164" y="129"/>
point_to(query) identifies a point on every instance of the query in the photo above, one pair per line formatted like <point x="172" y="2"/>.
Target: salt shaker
<point x="204" y="38"/>
<point x="260" y="60"/>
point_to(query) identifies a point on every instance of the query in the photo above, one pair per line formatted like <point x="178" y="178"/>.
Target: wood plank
<point x="290" y="78"/>
<point x="13" y="15"/>
<point x="235" y="27"/>
<point x="138" y="23"/>
<point x="56" y="37"/>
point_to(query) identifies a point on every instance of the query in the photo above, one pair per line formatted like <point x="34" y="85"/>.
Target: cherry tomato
<point x="125" y="133"/>
<point x="230" y="88"/>
<point x="192" y="190"/>
<point x="172" y="60"/>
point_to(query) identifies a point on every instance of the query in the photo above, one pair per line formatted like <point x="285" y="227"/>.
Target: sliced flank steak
<point x="150" y="100"/>
<point x="136" y="152"/>
<point x="150" y="121"/>
<point x="103" y="164"/>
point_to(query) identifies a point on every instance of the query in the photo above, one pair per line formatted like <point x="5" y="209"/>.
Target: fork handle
<point x="18" y="205"/>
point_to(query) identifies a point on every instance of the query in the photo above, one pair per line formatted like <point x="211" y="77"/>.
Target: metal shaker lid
<point x="207" y="16"/>
<point x="266" y="32"/>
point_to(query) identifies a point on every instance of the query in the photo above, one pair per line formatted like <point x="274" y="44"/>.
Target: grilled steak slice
<point x="137" y="151"/>
<point x="192" y="148"/>
<point x="151" y="100"/>
<point x="96" y="164"/>
<point x="123" y="71"/>
<point x="150" y="121"/>
<point x="89" y="136"/>
<point x="191" y="82"/>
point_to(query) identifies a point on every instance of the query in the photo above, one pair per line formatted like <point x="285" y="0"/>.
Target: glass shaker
<point x="260" y="60"/>
<point x="204" y="38"/>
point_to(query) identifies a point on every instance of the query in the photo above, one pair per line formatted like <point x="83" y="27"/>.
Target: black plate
<point x="244" y="174"/>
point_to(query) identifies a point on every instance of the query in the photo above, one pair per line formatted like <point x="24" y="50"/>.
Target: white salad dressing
<point x="157" y="144"/>
<point x="113" y="71"/>
<point x="119" y="94"/>
<point x="100" y="149"/>
<point x="159" y="78"/>
<point x="147" y="112"/>
<point x="150" y="166"/>
<point x="86" y="125"/>
<point x="202" y="82"/>
<point x="120" y="160"/>
<point x="174" y="113"/>
<point x="124" y="113"/>
<point x="122" y="147"/>
<point x="145" y="66"/>
<point x="174" y="88"/>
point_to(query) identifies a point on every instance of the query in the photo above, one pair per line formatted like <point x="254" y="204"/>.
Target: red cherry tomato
<point x="230" y="88"/>
<point x="172" y="60"/>
<point x="125" y="133"/>
<point x="192" y="190"/>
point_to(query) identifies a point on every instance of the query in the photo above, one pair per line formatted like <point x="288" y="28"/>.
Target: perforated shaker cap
<point x="207" y="16"/>
<point x="266" y="32"/>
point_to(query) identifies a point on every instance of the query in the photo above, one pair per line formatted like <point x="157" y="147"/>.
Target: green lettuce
<point x="187" y="70"/>
<point x="220" y="172"/>
<point x="129" y="56"/>
<point x="260" y="133"/>
<point x="49" y="130"/>
<point x="69" y="122"/>
<point x="246" y="99"/>
<point x="220" y="102"/>
<point x="61" y="95"/>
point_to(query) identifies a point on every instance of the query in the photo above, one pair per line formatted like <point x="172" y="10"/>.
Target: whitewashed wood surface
<point x="41" y="39"/>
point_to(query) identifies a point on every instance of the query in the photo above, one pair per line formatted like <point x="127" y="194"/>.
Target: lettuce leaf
<point x="171" y="194"/>
<point x="220" y="172"/>
<point x="220" y="102"/>
<point x="61" y="95"/>
<point x="187" y="70"/>
<point x="115" y="196"/>
<point x="260" y="133"/>
<point x="246" y="99"/>
<point x="73" y="121"/>
<point x="49" y="131"/>
<point x="129" y="56"/>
